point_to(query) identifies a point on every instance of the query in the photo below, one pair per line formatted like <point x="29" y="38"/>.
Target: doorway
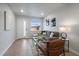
<point x="27" y="29"/>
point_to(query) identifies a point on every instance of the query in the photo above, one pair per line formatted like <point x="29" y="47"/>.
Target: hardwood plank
<point x="21" y="47"/>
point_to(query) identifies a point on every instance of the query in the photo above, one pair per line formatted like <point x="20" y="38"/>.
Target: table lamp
<point x="64" y="30"/>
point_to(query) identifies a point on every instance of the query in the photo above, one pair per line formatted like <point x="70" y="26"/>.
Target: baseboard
<point x="6" y="49"/>
<point x="23" y="38"/>
<point x="77" y="53"/>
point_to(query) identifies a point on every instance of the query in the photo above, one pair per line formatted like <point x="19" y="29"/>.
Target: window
<point x="36" y="24"/>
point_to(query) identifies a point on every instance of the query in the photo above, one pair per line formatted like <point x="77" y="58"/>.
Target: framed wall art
<point x="47" y="22"/>
<point x="7" y="22"/>
<point x="53" y="22"/>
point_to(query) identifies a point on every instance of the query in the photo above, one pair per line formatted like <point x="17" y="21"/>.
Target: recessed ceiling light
<point x="42" y="14"/>
<point x="22" y="10"/>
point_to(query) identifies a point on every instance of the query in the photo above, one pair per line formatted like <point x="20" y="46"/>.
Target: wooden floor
<point x="23" y="47"/>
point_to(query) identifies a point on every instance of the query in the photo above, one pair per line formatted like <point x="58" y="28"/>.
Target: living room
<point x="23" y="20"/>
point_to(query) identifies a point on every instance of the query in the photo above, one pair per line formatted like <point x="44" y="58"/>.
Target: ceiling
<point x="35" y="9"/>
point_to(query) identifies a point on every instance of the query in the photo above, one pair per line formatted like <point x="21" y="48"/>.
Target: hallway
<point x="21" y="47"/>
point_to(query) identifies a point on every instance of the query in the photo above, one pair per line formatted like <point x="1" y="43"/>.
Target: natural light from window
<point x="36" y="25"/>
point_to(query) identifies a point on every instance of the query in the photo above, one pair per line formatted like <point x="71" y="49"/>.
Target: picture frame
<point x="53" y="22"/>
<point x="47" y="22"/>
<point x="6" y="22"/>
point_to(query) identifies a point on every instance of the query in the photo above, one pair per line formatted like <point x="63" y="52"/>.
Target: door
<point x="27" y="28"/>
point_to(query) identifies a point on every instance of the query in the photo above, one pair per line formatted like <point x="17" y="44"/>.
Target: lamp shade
<point x="64" y="29"/>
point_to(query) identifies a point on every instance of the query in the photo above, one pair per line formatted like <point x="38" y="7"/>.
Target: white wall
<point x="20" y="26"/>
<point x="69" y="16"/>
<point x="6" y="37"/>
